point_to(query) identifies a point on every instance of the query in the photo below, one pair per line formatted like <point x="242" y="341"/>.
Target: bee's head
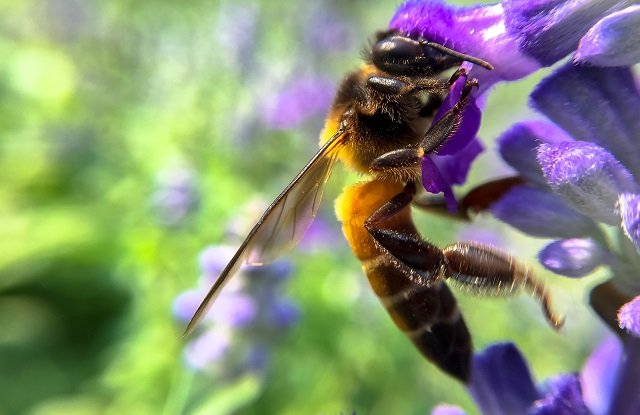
<point x="401" y="55"/>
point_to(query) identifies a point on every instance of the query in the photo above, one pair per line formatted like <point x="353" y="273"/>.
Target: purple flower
<point x="629" y="209"/>
<point x="575" y="257"/>
<point x="588" y="165"/>
<point x="175" y="196"/>
<point x="250" y="311"/>
<point x="207" y="348"/>
<point x="302" y="99"/>
<point x="479" y="31"/>
<point x="520" y="36"/>
<point x="502" y="384"/>
<point x="522" y="140"/>
<point x="443" y="409"/>
<point x="452" y="160"/>
<point x="586" y="176"/>
<point x="612" y="41"/>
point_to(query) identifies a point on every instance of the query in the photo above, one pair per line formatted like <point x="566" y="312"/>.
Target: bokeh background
<point x="136" y="138"/>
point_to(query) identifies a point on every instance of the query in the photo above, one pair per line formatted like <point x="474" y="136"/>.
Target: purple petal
<point x="518" y="147"/>
<point x="501" y="383"/>
<point x="455" y="168"/>
<point x="325" y="30"/>
<point x="213" y="259"/>
<point x="586" y="176"/>
<point x="269" y="274"/>
<point x="176" y="195"/>
<point x="434" y="182"/>
<point x="573" y="257"/>
<point x="540" y="213"/>
<point x="598" y="375"/>
<point x="321" y="234"/>
<point x="257" y="357"/>
<point x="304" y="98"/>
<point x="233" y="309"/>
<point x="629" y="210"/>
<point x="549" y="30"/>
<point x="444" y="409"/>
<point x="207" y="349"/>
<point x="186" y="304"/>
<point x="478" y="31"/>
<point x="613" y="41"/>
<point x="284" y="313"/>
<point x="482" y="235"/>
<point x="629" y="317"/>
<point x="595" y="104"/>
<point x="626" y="399"/>
<point x="563" y="397"/>
<point x="470" y="124"/>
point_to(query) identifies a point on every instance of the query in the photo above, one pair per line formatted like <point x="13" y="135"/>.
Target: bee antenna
<point x="459" y="55"/>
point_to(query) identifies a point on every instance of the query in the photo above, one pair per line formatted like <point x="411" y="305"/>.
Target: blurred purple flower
<point x="325" y="30"/>
<point x="502" y="384"/>
<point x="235" y="32"/>
<point x="175" y="196"/>
<point x="303" y="98"/>
<point x="249" y="311"/>
<point x="284" y="313"/>
<point x="482" y="235"/>
<point x="213" y="259"/>
<point x="207" y="348"/>
<point x="444" y="409"/>
<point x="321" y="234"/>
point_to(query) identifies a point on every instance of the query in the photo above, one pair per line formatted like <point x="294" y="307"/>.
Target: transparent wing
<point x="284" y="222"/>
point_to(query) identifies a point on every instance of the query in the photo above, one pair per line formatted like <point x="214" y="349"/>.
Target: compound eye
<point x="396" y="49"/>
<point x="400" y="55"/>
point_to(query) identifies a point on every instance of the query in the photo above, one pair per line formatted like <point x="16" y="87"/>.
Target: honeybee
<point x="380" y="125"/>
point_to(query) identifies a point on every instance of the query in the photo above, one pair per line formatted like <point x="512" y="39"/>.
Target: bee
<point x="381" y="125"/>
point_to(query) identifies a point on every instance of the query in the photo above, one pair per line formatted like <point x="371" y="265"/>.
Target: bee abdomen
<point x="429" y="316"/>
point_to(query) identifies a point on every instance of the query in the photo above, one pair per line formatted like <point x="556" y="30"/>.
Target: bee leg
<point x="477" y="200"/>
<point x="421" y="261"/>
<point x="406" y="162"/>
<point x="486" y="270"/>
<point x="447" y="125"/>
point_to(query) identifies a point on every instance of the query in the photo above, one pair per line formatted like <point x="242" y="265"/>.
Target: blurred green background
<point x="131" y="134"/>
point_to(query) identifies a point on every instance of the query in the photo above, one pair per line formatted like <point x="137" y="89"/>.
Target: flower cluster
<point x="581" y="180"/>
<point x="580" y="173"/>
<point x="503" y="385"/>
<point x="580" y="166"/>
<point x="245" y="321"/>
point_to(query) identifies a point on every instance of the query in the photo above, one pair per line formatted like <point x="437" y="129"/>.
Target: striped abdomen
<point x="429" y="316"/>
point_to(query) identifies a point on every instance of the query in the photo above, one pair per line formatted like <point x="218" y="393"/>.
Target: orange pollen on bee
<point x="357" y="203"/>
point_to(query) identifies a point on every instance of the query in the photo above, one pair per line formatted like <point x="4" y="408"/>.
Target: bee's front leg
<point x="408" y="159"/>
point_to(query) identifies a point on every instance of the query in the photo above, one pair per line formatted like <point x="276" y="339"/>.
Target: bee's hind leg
<point x="421" y="260"/>
<point x="479" y="268"/>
